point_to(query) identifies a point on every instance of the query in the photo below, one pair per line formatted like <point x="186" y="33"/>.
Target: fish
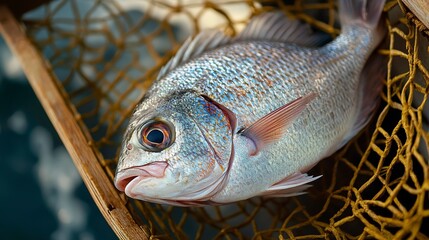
<point x="231" y="118"/>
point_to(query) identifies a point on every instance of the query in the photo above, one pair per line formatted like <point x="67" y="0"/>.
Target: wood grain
<point x="43" y="82"/>
<point x="420" y="8"/>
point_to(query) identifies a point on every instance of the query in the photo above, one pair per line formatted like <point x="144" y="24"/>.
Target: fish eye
<point x="156" y="135"/>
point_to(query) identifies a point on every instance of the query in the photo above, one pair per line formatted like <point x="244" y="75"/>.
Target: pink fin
<point x="271" y="127"/>
<point x="293" y="185"/>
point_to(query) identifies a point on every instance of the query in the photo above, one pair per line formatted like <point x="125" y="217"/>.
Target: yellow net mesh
<point x="106" y="53"/>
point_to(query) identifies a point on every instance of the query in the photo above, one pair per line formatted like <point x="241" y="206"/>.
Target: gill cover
<point x="215" y="123"/>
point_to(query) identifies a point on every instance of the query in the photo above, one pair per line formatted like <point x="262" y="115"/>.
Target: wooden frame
<point x="420" y="8"/>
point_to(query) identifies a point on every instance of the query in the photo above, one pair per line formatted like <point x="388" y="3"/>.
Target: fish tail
<point x="364" y="13"/>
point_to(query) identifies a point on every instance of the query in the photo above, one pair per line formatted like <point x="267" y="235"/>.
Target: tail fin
<point x="363" y="12"/>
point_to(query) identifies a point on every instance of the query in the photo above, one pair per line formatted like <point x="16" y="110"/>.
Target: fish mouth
<point x="126" y="176"/>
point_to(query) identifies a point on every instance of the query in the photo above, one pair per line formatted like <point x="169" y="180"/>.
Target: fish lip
<point x="128" y="177"/>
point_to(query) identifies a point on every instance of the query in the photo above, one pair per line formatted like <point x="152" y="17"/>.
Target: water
<point x="42" y="195"/>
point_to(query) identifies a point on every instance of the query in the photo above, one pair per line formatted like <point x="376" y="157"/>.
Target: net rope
<point x="105" y="54"/>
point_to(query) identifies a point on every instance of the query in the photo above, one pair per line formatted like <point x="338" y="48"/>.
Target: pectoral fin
<point x="271" y="127"/>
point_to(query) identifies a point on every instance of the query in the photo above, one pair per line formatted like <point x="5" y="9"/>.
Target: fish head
<point x="177" y="152"/>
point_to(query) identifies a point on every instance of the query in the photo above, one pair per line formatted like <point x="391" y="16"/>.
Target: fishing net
<point x="105" y="54"/>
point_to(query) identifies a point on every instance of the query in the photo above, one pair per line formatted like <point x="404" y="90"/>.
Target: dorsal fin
<point x="275" y="26"/>
<point x="272" y="26"/>
<point x="192" y="47"/>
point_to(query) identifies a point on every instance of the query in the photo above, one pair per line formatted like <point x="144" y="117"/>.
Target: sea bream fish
<point x="233" y="118"/>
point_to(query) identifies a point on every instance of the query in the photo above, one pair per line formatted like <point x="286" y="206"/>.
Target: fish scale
<point x="251" y="114"/>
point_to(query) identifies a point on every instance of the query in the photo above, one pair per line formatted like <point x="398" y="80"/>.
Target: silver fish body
<point x="213" y="100"/>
